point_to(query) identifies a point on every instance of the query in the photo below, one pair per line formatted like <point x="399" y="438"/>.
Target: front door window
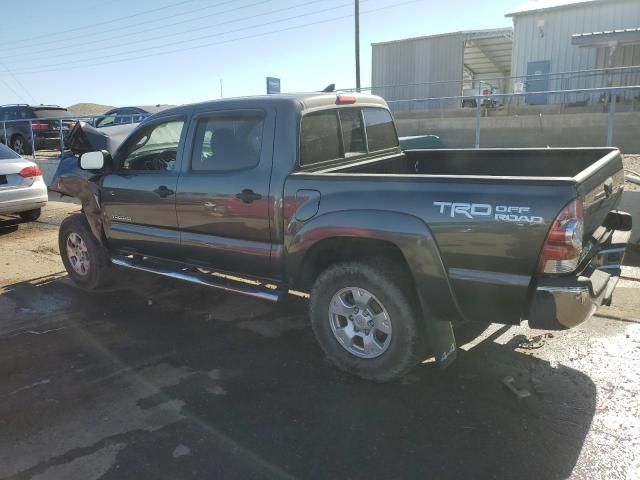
<point x="153" y="148"/>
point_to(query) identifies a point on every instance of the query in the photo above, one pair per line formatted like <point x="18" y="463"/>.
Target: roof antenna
<point x="329" y="88"/>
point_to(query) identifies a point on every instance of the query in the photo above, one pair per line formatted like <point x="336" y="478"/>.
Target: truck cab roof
<point x="299" y="101"/>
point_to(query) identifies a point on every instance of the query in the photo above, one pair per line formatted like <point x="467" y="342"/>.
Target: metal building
<point x="565" y="38"/>
<point x="441" y="65"/>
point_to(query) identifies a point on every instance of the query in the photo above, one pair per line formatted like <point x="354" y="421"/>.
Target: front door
<point x="139" y="195"/>
<point x="223" y="191"/>
<point x="538" y="81"/>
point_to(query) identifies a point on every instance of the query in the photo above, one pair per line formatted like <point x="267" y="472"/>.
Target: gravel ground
<point x="632" y="164"/>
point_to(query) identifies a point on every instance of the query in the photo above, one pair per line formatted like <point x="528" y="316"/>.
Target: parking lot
<point x="157" y="379"/>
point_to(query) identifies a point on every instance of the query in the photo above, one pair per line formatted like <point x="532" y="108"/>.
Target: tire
<point x="19" y="145"/>
<point x="401" y="349"/>
<point x="86" y="260"/>
<point x="30" y="215"/>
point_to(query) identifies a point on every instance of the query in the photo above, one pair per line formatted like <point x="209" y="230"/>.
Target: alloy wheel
<point x="78" y="254"/>
<point x="360" y="322"/>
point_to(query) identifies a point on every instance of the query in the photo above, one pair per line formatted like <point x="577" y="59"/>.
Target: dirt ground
<point x="158" y="379"/>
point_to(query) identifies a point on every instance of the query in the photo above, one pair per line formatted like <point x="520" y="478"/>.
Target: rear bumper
<point x="22" y="199"/>
<point x="563" y="302"/>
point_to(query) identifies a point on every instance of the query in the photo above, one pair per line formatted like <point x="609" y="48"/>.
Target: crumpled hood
<point x="84" y="138"/>
<point x="73" y="181"/>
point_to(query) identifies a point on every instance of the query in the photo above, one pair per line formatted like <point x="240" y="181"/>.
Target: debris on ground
<point x="510" y="383"/>
<point x="181" y="451"/>
<point x="533" y="343"/>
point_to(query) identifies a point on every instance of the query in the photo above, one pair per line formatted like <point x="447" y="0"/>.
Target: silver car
<point x="22" y="188"/>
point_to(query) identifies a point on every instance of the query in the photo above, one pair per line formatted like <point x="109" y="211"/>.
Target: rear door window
<point x="381" y="133"/>
<point x="320" y="137"/>
<point x="10" y="113"/>
<point x="227" y="142"/>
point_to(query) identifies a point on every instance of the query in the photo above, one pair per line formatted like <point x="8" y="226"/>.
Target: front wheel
<point x="366" y="320"/>
<point x="85" y="259"/>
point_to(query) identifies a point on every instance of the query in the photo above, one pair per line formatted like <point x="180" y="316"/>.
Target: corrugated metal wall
<point x="546" y="35"/>
<point x="420" y="60"/>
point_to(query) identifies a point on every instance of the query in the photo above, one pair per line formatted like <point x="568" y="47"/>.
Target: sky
<point x="141" y="52"/>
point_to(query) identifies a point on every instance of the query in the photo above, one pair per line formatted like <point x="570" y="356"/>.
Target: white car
<point x="22" y="188"/>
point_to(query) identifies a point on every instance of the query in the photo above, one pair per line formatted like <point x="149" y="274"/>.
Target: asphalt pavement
<point x="159" y="379"/>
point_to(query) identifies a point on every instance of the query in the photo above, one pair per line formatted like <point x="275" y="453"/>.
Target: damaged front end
<point x="73" y="181"/>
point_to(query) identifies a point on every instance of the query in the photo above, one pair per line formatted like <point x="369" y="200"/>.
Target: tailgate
<point x="600" y="187"/>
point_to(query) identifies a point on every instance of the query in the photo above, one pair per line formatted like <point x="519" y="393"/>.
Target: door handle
<point x="248" y="196"/>
<point x="162" y="191"/>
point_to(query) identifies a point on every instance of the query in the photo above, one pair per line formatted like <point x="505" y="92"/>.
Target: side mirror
<point x="93" y="160"/>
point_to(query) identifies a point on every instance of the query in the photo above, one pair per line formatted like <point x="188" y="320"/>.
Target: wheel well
<point x="342" y="249"/>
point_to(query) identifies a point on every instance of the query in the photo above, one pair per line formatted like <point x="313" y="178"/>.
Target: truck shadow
<point x="261" y="401"/>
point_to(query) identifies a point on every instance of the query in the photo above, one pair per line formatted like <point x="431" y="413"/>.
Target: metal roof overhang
<point x="488" y="52"/>
<point x="599" y="39"/>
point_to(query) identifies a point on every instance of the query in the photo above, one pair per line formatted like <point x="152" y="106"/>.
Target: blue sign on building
<point x="273" y="85"/>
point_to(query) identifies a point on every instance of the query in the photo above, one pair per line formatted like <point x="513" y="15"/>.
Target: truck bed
<point x="490" y="263"/>
<point x="536" y="163"/>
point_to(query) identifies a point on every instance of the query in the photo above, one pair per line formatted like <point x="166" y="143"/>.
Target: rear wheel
<point x="19" y="145"/>
<point x="30" y="215"/>
<point x="366" y="321"/>
<point x="85" y="259"/>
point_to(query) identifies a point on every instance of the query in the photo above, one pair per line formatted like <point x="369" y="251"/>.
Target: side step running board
<point x="208" y="280"/>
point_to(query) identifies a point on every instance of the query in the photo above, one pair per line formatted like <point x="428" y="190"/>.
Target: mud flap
<point x="442" y="341"/>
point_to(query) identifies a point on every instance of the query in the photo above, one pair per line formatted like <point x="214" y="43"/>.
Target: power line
<point x="84" y="27"/>
<point x="164" y="36"/>
<point x="202" y="37"/>
<point x="195" y="47"/>
<point x="135" y="25"/>
<point x="14" y="92"/>
<point x="15" y="79"/>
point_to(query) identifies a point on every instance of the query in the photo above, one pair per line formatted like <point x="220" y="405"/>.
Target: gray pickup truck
<point x="313" y="193"/>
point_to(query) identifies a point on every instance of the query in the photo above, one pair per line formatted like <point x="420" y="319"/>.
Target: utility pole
<point x="220" y="88"/>
<point x="357" y="6"/>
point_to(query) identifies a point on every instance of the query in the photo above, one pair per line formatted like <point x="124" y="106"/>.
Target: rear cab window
<point x="381" y="132"/>
<point x="339" y="133"/>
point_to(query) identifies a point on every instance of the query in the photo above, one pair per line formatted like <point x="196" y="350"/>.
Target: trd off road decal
<point x="502" y="213"/>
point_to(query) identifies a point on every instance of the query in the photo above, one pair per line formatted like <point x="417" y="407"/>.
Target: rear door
<point x="139" y="196"/>
<point x="223" y="191"/>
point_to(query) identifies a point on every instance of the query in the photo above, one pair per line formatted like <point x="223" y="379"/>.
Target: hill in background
<point x="88" y="108"/>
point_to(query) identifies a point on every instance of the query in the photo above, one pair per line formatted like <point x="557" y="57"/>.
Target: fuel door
<point x="307" y="204"/>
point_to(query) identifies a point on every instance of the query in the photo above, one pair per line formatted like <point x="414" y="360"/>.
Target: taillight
<point x="563" y="246"/>
<point x="39" y="126"/>
<point x="28" y="172"/>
